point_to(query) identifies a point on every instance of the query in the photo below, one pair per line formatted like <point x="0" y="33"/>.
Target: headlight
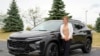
<point x="35" y="45"/>
<point x="37" y="42"/>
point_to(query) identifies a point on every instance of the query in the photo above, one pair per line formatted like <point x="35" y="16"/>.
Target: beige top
<point x="63" y="30"/>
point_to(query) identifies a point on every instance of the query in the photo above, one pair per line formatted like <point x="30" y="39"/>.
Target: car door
<point x="78" y="35"/>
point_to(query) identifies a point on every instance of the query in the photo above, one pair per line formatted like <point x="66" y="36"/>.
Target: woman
<point x="66" y="32"/>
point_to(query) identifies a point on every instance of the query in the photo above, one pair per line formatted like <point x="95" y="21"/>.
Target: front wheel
<point x="52" y="50"/>
<point x="87" y="46"/>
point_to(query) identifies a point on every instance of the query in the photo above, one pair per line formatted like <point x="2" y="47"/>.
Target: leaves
<point x="57" y="11"/>
<point x="98" y="24"/>
<point x="13" y="22"/>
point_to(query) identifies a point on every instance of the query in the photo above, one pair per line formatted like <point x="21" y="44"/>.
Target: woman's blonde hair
<point x="65" y="17"/>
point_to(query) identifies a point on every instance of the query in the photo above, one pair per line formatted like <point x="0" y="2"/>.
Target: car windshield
<point x="52" y="25"/>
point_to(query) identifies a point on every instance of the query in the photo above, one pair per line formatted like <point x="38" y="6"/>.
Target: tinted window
<point x="77" y="26"/>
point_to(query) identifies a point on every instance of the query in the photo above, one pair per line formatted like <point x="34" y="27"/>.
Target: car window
<point x="48" y="26"/>
<point x="77" y="26"/>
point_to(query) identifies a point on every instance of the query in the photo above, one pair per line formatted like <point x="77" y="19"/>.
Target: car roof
<point x="70" y="20"/>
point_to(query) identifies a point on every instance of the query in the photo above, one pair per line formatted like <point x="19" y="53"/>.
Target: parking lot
<point x="95" y="51"/>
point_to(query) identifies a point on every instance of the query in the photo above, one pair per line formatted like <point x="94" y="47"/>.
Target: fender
<point x="47" y="41"/>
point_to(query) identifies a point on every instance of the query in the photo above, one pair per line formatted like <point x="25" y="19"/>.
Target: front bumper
<point x="20" y="52"/>
<point x="22" y="48"/>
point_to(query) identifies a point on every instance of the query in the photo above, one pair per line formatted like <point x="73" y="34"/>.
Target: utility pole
<point x="86" y="16"/>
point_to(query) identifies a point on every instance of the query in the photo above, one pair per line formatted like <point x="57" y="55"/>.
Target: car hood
<point x="28" y="34"/>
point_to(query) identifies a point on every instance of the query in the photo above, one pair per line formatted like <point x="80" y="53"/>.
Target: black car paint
<point x="46" y="37"/>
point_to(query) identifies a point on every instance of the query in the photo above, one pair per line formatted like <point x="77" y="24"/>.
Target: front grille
<point x="17" y="44"/>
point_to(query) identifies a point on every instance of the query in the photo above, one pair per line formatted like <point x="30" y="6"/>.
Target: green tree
<point x="97" y="26"/>
<point x="13" y="22"/>
<point x="91" y="27"/>
<point x="57" y="11"/>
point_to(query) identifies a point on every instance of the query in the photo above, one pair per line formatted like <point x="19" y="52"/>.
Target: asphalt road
<point x="94" y="52"/>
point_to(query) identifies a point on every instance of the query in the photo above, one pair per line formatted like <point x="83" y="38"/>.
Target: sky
<point x="76" y="8"/>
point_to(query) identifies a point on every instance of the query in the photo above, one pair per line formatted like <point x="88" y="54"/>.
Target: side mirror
<point x="73" y="32"/>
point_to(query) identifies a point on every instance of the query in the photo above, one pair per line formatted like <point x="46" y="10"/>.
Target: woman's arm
<point x="61" y="32"/>
<point x="71" y="31"/>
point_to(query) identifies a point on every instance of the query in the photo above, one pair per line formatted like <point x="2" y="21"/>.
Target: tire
<point x="87" y="46"/>
<point x="52" y="50"/>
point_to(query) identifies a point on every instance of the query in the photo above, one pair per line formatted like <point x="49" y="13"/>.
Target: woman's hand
<point x="63" y="38"/>
<point x="66" y="39"/>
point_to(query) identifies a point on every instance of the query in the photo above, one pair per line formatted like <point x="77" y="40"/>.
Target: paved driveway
<point x="94" y="52"/>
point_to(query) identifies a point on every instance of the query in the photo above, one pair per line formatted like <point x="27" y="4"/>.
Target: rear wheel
<point x="52" y="50"/>
<point x="87" y="46"/>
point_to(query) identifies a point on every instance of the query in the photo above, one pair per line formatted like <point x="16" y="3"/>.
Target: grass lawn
<point x="96" y="37"/>
<point x="3" y="35"/>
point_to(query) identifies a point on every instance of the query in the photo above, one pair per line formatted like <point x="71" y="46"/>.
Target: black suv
<point x="45" y="39"/>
